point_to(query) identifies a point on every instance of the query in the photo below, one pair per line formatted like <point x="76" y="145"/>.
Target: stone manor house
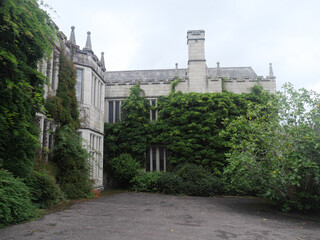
<point x="101" y="92"/>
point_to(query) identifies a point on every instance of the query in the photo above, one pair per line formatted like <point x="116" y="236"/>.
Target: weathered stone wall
<point x="91" y="109"/>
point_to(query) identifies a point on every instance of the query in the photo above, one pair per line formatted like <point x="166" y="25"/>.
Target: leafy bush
<point x="170" y="183"/>
<point x="123" y="169"/>
<point x="44" y="189"/>
<point x="190" y="179"/>
<point x="71" y="160"/>
<point x="146" y="182"/>
<point x="15" y="200"/>
<point x="197" y="181"/>
<point x="277" y="156"/>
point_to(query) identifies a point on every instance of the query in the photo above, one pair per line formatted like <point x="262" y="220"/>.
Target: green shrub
<point x="277" y="155"/>
<point x="170" y="183"/>
<point x="123" y="169"/>
<point x="197" y="181"/>
<point x="15" y="200"/>
<point x="71" y="160"/>
<point x="190" y="179"/>
<point x="146" y="182"/>
<point x="75" y="184"/>
<point x="44" y="190"/>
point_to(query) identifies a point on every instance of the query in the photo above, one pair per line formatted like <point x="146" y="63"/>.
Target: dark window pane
<point x="117" y="111"/>
<point x="166" y="157"/>
<point x="153" y="116"/>
<point x="148" y="161"/>
<point x="79" y="85"/>
<point x="154" y="159"/>
<point x="161" y="152"/>
<point x="111" y="112"/>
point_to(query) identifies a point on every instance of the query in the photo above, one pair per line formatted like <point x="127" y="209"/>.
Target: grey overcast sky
<point x="151" y="34"/>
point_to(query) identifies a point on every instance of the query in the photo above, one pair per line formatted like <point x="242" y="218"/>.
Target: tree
<point x="26" y="36"/>
<point x="277" y="156"/>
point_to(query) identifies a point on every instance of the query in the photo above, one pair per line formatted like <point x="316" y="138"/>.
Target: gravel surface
<point x="155" y="216"/>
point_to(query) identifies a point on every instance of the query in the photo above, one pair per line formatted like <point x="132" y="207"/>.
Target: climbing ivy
<point x="70" y="158"/>
<point x="132" y="135"/>
<point x="188" y="124"/>
<point x="26" y="36"/>
<point x="64" y="107"/>
<point x="223" y="84"/>
<point x="174" y="83"/>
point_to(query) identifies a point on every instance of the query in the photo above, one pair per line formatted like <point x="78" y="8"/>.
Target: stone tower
<point x="197" y="68"/>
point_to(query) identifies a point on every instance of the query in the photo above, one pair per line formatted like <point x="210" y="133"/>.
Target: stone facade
<point x="197" y="77"/>
<point x="100" y="93"/>
<point x="90" y="91"/>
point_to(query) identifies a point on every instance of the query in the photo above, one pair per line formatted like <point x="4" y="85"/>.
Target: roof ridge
<point x="144" y="70"/>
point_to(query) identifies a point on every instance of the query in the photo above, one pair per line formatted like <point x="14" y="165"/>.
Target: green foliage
<point x="170" y="183"/>
<point x="15" y="200"/>
<point x="135" y="127"/>
<point x="190" y="179"/>
<point x="174" y="83"/>
<point x="197" y="181"/>
<point x="189" y="125"/>
<point x="278" y="156"/>
<point x="146" y="181"/>
<point x="122" y="169"/>
<point x="223" y="84"/>
<point x="131" y="136"/>
<point x="256" y="90"/>
<point x="136" y="108"/>
<point x="70" y="157"/>
<point x="26" y="36"/>
<point x="44" y="190"/>
<point x="71" y="161"/>
<point x="64" y="107"/>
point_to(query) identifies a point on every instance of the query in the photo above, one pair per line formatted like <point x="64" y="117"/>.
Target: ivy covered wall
<point x="188" y="124"/>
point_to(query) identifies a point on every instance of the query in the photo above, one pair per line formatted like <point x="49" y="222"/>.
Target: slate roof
<point x="233" y="72"/>
<point x="167" y="75"/>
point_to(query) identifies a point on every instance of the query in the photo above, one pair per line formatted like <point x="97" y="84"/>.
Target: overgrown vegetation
<point x="69" y="157"/>
<point x="122" y="169"/>
<point x="189" y="125"/>
<point x="72" y="169"/>
<point x="174" y="83"/>
<point x="189" y="179"/>
<point x="25" y="37"/>
<point x="277" y="156"/>
<point x="44" y="190"/>
<point x="131" y="136"/>
<point x="63" y="107"/>
<point x="15" y="200"/>
<point x="249" y="144"/>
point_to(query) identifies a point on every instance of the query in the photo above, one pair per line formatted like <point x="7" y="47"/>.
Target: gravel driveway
<point x="155" y="216"/>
